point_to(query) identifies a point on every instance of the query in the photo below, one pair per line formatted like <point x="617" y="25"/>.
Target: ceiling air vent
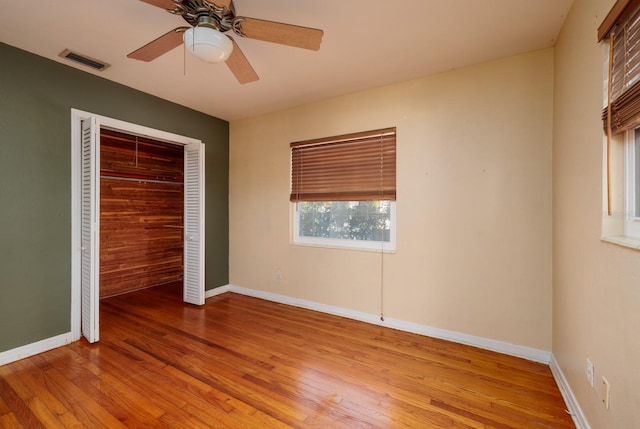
<point x="83" y="59"/>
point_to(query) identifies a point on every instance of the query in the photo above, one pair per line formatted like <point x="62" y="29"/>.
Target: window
<point x="344" y="190"/>
<point x="359" y="224"/>
<point x="621" y="122"/>
<point x="632" y="184"/>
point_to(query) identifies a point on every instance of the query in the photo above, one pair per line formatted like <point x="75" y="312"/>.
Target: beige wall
<point x="596" y="311"/>
<point x="474" y="202"/>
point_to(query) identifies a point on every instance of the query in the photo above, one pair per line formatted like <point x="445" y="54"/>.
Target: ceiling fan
<point x="208" y="20"/>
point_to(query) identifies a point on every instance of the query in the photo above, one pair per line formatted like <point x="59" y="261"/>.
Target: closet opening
<point x="137" y="215"/>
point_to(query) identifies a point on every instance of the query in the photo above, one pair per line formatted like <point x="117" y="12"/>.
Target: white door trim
<point x="76" y="118"/>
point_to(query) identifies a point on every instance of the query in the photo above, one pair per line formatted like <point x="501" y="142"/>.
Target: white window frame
<point x="631" y="220"/>
<point x="368" y="245"/>
<point x="618" y="226"/>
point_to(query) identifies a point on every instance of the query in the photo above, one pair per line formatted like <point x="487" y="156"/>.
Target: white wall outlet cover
<point x="590" y="372"/>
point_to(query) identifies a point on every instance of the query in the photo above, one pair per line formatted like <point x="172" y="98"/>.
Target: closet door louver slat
<point x="90" y="229"/>
<point x="194" y="224"/>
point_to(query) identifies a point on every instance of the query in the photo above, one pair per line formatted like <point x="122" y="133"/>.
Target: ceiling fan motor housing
<point x="197" y="12"/>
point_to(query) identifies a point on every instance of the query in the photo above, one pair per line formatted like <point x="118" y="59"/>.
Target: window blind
<point x="622" y="27"/>
<point x="352" y="167"/>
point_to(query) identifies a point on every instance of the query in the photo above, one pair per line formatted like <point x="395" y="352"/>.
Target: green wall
<point x="36" y="97"/>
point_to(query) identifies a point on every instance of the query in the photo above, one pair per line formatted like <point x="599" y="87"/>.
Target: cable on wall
<point x="381" y="231"/>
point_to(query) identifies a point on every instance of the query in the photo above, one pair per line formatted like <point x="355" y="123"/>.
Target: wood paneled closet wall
<point x="141" y="213"/>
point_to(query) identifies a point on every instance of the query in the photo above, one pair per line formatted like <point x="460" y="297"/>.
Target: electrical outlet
<point x="590" y="372"/>
<point x="278" y="274"/>
<point x="606" y="391"/>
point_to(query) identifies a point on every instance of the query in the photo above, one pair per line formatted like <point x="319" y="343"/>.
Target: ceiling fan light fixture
<point x="208" y="44"/>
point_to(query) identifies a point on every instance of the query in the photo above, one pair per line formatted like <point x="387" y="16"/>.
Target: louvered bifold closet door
<point x="90" y="229"/>
<point x="194" y="224"/>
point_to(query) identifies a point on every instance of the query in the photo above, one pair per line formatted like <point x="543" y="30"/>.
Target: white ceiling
<point x="366" y="44"/>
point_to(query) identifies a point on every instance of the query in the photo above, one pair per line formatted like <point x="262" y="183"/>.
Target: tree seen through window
<point x="348" y="220"/>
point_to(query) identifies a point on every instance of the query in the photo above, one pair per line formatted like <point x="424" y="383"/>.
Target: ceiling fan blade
<point x="240" y="66"/>
<point x="164" y="4"/>
<point x="159" y="46"/>
<point x="276" y="32"/>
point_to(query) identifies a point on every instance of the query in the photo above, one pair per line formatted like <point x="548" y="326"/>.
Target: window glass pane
<point x="636" y="179"/>
<point x="348" y="220"/>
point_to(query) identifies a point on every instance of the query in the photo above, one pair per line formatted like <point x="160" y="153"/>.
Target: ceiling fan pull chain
<point x="212" y="18"/>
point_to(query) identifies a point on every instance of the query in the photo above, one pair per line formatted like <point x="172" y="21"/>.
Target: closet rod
<point x="130" y="179"/>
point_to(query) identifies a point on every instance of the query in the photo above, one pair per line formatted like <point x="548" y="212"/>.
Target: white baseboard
<point x="529" y="353"/>
<point x="216" y="291"/>
<point x="569" y="398"/>
<point x="536" y="355"/>
<point x="35" y="348"/>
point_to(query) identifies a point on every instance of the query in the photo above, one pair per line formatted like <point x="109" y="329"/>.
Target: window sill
<point x="631" y="243"/>
<point x="343" y="247"/>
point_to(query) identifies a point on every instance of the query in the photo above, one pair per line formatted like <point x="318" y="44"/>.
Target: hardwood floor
<point x="240" y="362"/>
